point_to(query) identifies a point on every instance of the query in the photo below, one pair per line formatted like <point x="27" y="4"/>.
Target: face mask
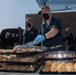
<point x="28" y="25"/>
<point x="46" y="16"/>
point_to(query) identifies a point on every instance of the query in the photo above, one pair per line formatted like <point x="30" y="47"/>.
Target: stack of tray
<point x="27" y="62"/>
<point x="59" y="63"/>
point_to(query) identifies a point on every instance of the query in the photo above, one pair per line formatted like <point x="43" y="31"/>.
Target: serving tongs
<point x="29" y="44"/>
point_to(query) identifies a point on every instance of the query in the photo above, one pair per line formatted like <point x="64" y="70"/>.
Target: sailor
<point x="30" y="33"/>
<point x="51" y="32"/>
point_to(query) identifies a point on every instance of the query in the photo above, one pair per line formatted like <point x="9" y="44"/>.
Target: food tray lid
<point x="59" y="54"/>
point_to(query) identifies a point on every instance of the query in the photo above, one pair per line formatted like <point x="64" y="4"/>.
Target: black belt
<point x="53" y="47"/>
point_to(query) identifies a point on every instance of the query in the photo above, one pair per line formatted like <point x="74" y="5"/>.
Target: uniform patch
<point x="50" y="27"/>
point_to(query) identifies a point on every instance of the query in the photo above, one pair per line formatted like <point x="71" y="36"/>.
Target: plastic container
<point x="20" y="62"/>
<point x="59" y="62"/>
<point x="14" y="67"/>
<point x="23" y="48"/>
<point x="59" y="54"/>
<point x="21" y="58"/>
<point x="58" y="67"/>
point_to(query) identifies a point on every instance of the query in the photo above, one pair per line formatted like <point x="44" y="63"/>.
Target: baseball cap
<point x="43" y="7"/>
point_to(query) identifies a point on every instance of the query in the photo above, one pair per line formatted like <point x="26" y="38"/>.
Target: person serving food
<point x="50" y="31"/>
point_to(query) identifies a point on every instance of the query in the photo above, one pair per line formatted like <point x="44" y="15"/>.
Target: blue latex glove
<point x="39" y="39"/>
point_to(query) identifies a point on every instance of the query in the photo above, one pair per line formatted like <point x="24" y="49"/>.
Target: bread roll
<point x="61" y="67"/>
<point x="53" y="67"/>
<point x="69" y="67"/>
<point x="48" y="63"/>
<point x="75" y="67"/>
<point x="46" y="68"/>
<point x="49" y="56"/>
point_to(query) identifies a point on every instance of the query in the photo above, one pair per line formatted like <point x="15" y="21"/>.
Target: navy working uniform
<point x="69" y="38"/>
<point x="50" y="33"/>
<point x="55" y="41"/>
<point x="29" y="35"/>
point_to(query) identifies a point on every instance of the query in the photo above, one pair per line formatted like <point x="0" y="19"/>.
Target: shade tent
<point x="59" y="5"/>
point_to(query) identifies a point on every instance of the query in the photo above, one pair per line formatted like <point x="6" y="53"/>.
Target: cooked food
<point x="69" y="67"/>
<point x="48" y="63"/>
<point x="4" y="67"/>
<point x="61" y="67"/>
<point x="46" y="68"/>
<point x="49" y="56"/>
<point x="38" y="50"/>
<point x="74" y="67"/>
<point x="55" y="56"/>
<point x="26" y="59"/>
<point x="68" y="55"/>
<point x="53" y="67"/>
<point x="6" y="50"/>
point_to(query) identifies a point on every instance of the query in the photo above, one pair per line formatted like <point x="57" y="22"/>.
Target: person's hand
<point x="39" y="39"/>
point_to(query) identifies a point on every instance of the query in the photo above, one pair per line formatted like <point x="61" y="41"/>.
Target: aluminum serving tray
<point x="21" y="59"/>
<point x="31" y="69"/>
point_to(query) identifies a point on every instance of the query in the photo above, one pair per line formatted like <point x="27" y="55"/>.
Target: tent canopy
<point x="58" y="5"/>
